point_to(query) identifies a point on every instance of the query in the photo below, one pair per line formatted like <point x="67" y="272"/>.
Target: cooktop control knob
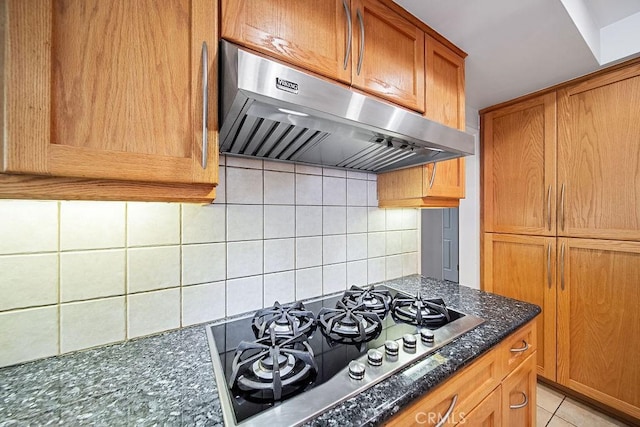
<point x="409" y="341"/>
<point x="391" y="348"/>
<point x="426" y="336"/>
<point x="374" y="357"/>
<point x="356" y="370"/>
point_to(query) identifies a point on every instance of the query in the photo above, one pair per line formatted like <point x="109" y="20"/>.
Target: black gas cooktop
<point x="289" y="362"/>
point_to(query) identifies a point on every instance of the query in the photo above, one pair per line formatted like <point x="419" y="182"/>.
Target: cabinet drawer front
<point x="516" y="348"/>
<point x="467" y="389"/>
<point x="488" y="413"/>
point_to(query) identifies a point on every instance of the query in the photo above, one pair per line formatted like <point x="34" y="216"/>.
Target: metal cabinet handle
<point x="562" y="267"/>
<point x="549" y="265"/>
<point x="205" y="104"/>
<point x="549" y="208"/>
<point x="447" y="414"/>
<point x="433" y="175"/>
<point x="525" y="347"/>
<point x="562" y="207"/>
<point x="361" y="56"/>
<point x="524" y="403"/>
<point x="347" y="10"/>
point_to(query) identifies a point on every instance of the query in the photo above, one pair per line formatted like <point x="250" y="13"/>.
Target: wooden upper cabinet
<point x="389" y="60"/>
<point x="439" y="184"/>
<point x="325" y="37"/>
<point x="519" y="155"/>
<point x="311" y="34"/>
<point x="524" y="268"/>
<point x="599" y="157"/>
<point x="598" y="320"/>
<point x="110" y="90"/>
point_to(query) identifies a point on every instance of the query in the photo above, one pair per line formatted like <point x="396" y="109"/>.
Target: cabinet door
<point x="110" y="90"/>
<point x="387" y="54"/>
<point x="599" y="320"/>
<point x="445" y="179"/>
<point x="599" y="157"/>
<point x="518" y="155"/>
<point x="519" y="395"/>
<point x="311" y="34"/>
<point x="523" y="267"/>
<point x="488" y="413"/>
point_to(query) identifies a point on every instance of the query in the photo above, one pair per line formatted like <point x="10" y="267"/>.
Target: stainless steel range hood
<point x="273" y="111"/>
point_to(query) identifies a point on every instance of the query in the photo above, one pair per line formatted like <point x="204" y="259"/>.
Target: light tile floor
<point x="557" y="410"/>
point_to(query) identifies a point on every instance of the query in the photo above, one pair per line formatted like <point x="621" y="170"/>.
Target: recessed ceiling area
<point x="519" y="47"/>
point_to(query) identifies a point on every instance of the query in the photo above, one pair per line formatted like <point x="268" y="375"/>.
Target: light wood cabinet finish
<point x="599" y="157"/>
<point x="108" y="91"/>
<point x="439" y="184"/>
<point x="524" y="268"/>
<point x="308" y="33"/>
<point x="519" y="152"/>
<point x="388" y="62"/>
<point x="392" y="55"/>
<point x="475" y="396"/>
<point x="519" y="395"/>
<point x="599" y="321"/>
<point x="488" y="413"/>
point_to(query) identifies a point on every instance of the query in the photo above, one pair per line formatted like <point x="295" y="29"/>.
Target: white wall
<point x="469" y="212"/>
<point x="75" y="275"/>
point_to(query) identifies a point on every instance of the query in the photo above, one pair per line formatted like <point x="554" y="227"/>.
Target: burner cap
<point x="348" y="324"/>
<point x="375" y="300"/>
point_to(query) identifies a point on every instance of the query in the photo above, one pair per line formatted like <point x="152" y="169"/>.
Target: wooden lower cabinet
<point x="599" y="321"/>
<point x="477" y="395"/>
<point x="524" y="268"/>
<point x="519" y="395"/>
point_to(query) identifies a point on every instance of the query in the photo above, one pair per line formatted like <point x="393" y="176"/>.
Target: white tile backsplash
<point x="150" y="224"/>
<point x="279" y="287"/>
<point x="244" y="186"/>
<point x="334" y="220"/>
<point x="203" y="303"/>
<point x="279" y="255"/>
<point x="276" y="231"/>
<point x="245" y="222"/>
<point x="92" y="274"/>
<point x="152" y="312"/>
<point x="92" y="323"/>
<point x="92" y="225"/>
<point x="308" y="282"/>
<point x="28" y="280"/>
<point x="203" y="224"/>
<point x="334" y="191"/>
<point x="28" y="226"/>
<point x="279" y="188"/>
<point x="244" y="259"/>
<point x="204" y="263"/>
<point x="244" y="295"/>
<point x="308" y="251"/>
<point x="153" y="268"/>
<point x="334" y="249"/>
<point x="334" y="278"/>
<point x="279" y="221"/>
<point x="308" y="190"/>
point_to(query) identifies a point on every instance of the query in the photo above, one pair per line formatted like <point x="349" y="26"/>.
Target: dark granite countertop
<point x="168" y="380"/>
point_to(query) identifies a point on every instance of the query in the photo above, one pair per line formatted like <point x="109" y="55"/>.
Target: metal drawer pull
<point x="433" y="175"/>
<point x="349" y="36"/>
<point x="525" y="347"/>
<point x="523" y="404"/>
<point x="361" y="57"/>
<point x="205" y="104"/>
<point x="447" y="414"/>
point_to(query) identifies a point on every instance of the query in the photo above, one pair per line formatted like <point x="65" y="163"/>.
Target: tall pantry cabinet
<point x="561" y="223"/>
